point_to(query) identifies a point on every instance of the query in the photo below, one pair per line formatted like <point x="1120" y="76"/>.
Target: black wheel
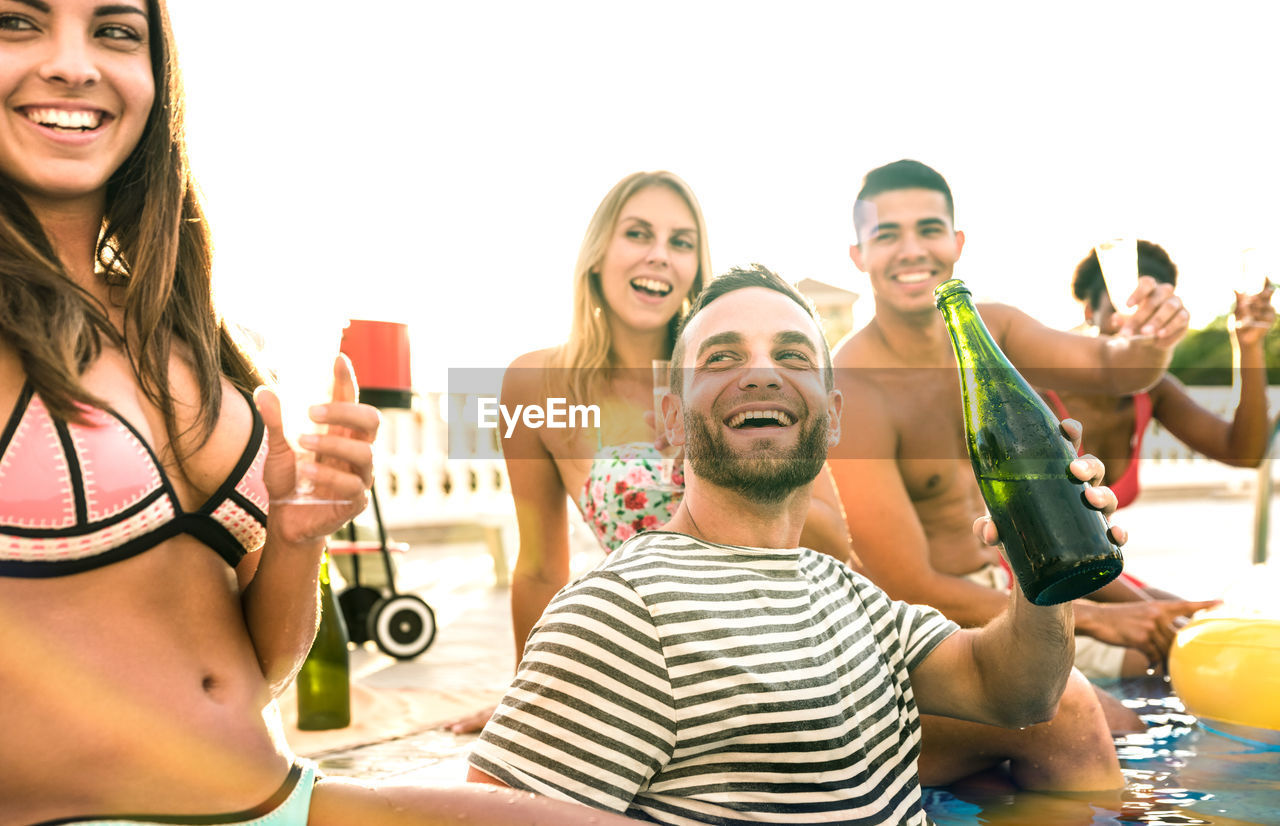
<point x="403" y="626"/>
<point x="356" y="603"/>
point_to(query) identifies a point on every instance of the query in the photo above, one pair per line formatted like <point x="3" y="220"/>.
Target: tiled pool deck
<point x="1196" y="545"/>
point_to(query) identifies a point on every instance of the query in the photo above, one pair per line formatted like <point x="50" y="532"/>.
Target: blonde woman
<point x="643" y="258"/>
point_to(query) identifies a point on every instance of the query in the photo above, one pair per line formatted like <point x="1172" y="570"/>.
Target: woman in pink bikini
<point x="153" y="602"/>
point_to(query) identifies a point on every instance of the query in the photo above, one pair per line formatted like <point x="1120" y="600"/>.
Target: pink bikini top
<point x="77" y="497"/>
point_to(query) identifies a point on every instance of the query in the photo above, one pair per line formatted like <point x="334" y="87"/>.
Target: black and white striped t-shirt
<point x="685" y="682"/>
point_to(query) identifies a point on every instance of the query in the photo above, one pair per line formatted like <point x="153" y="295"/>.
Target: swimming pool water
<point x="1179" y="772"/>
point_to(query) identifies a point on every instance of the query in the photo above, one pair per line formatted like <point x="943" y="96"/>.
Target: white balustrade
<point x="423" y="481"/>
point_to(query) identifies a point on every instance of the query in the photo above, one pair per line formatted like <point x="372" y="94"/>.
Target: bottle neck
<point x="973" y="342"/>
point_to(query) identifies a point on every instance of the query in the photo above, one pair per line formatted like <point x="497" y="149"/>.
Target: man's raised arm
<point x="1114" y="365"/>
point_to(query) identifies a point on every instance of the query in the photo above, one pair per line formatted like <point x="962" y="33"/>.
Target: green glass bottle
<point x="324" y="682"/>
<point x="1055" y="542"/>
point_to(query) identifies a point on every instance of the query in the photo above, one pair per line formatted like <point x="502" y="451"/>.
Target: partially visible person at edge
<point x="714" y="671"/>
<point x="153" y="603"/>
<point x="1115" y="424"/>
<point x="902" y="469"/>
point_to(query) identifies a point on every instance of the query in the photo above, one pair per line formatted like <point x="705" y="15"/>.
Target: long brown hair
<point x="155" y="245"/>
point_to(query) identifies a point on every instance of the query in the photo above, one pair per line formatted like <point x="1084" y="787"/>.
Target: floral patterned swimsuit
<point x="621" y="496"/>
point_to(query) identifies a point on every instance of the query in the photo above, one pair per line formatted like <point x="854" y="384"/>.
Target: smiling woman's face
<point x="651" y="260"/>
<point x="77" y="88"/>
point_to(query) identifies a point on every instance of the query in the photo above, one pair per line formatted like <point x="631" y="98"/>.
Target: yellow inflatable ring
<point x="1227" y="669"/>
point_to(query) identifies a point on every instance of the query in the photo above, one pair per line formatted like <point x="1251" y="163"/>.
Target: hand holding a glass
<point x="1145" y="308"/>
<point x="1252" y="314"/>
<point x="320" y="446"/>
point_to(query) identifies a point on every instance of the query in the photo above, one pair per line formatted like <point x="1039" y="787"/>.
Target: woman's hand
<point x="343" y="466"/>
<point x="1253" y="316"/>
<point x="1087" y="468"/>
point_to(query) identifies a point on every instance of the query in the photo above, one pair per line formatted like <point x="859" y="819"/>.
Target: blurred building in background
<point x="834" y="305"/>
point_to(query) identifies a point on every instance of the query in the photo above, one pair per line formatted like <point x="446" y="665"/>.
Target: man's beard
<point x="760" y="479"/>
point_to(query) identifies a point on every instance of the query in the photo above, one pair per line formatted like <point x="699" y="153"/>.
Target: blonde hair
<point x="586" y="358"/>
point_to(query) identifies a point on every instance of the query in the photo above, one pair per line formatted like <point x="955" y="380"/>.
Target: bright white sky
<point x="437" y="162"/>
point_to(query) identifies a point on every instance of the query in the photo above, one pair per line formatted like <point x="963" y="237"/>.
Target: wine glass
<point x="661" y="387"/>
<point x="303" y="356"/>
<point x="1118" y="260"/>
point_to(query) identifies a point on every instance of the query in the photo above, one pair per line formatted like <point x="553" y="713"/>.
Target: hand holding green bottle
<point x="1055" y="538"/>
<point x="1087" y="468"/>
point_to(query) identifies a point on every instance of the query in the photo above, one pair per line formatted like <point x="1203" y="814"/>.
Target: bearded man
<point x="714" y="672"/>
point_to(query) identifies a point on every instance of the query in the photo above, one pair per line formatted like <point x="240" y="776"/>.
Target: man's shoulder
<point x="613" y="582"/>
<point x="654" y="539"/>
<point x="858" y="349"/>
<point x="859" y="362"/>
<point x="1004" y="320"/>
<point x="997" y="311"/>
<point x="642" y="555"/>
<point x="826" y="565"/>
<point x="652" y="567"/>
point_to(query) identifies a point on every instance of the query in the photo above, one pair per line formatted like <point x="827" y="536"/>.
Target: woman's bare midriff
<point x="133" y="688"/>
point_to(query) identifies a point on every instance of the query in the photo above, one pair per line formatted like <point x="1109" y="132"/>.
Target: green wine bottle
<point x="324" y="683"/>
<point x="1056" y="543"/>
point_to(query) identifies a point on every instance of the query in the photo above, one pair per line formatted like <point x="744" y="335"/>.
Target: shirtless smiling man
<point x="902" y="469"/>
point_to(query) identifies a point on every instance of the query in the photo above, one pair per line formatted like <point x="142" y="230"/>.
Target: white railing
<point x="417" y="481"/>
